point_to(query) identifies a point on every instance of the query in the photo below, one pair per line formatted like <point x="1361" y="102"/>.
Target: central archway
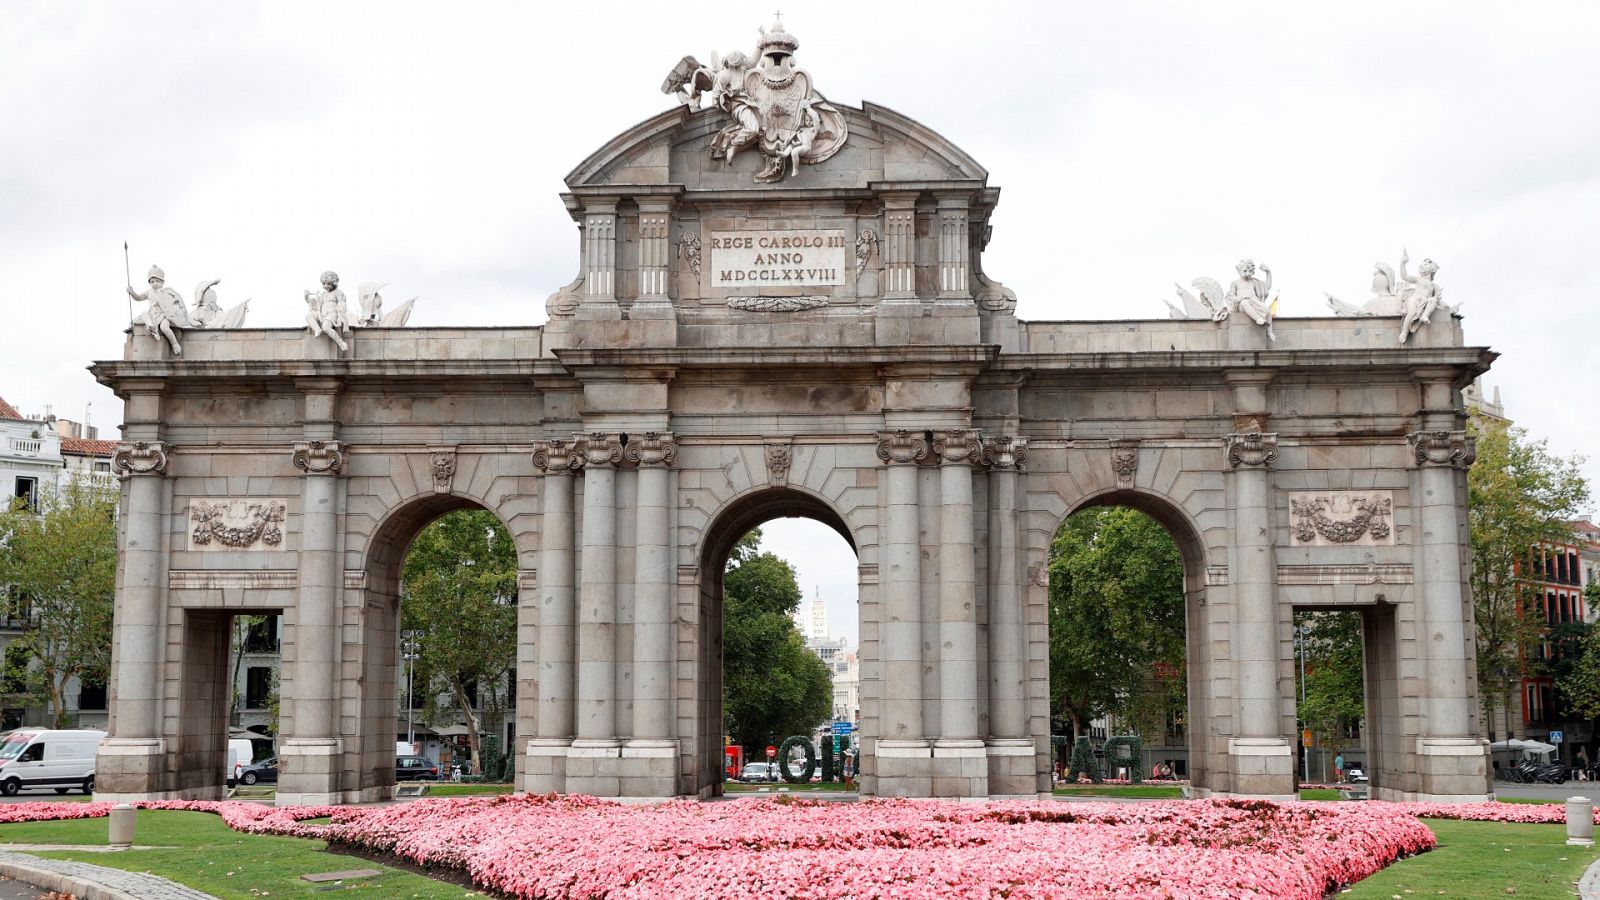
<point x="733" y="522"/>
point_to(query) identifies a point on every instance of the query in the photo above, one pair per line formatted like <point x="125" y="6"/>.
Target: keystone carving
<point x="1125" y="462"/>
<point x="1251" y="449"/>
<point x="1442" y="448"/>
<point x="957" y="446"/>
<point x="600" y="448"/>
<point x="557" y="457"/>
<point x="778" y="455"/>
<point x="1342" y="517"/>
<point x="655" y="448"/>
<point x="901" y="447"/>
<point x="443" y="464"/>
<point x="237" y="524"/>
<point x="140" y="458"/>
<point x="1005" y="452"/>
<point x="320" y="457"/>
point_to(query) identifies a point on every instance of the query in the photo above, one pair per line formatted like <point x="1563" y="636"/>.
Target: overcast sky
<point x="1137" y="144"/>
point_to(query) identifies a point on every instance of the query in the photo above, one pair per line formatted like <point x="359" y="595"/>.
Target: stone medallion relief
<point x="236" y="524"/>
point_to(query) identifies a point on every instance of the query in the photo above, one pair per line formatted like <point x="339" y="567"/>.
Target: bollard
<point x="121" y="826"/>
<point x="1580" y="821"/>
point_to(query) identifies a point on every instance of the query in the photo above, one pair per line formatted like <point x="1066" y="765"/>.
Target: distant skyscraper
<point x="819" y="618"/>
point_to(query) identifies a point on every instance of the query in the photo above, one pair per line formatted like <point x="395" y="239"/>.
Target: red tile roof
<point x="7" y="411"/>
<point x="85" y="447"/>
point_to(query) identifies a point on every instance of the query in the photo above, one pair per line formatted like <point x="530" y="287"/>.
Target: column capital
<point x="320" y="457"/>
<point x="1251" y="448"/>
<point x="1442" y="448"/>
<point x="901" y="447"/>
<point x="557" y="457"/>
<point x="654" y="449"/>
<point x="1004" y="452"/>
<point x="957" y="446"/>
<point x="600" y="449"/>
<point x="140" y="458"/>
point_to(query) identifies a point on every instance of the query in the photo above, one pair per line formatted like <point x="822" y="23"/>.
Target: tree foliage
<point x="771" y="684"/>
<point x="1116" y="620"/>
<point x="59" y="565"/>
<point x="1520" y="497"/>
<point x="459" y="595"/>
<point x="1333" y="674"/>
<point x="1578" y="679"/>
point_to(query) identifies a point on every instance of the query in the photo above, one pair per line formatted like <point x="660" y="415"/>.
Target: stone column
<point x="1011" y="750"/>
<point x="310" y="771"/>
<point x="655" y="260"/>
<point x="597" y="599"/>
<point x="899" y="250"/>
<point x="961" y="769"/>
<point x="1452" y="759"/>
<point x="599" y="299"/>
<point x="131" y="757"/>
<point x="557" y="653"/>
<point x="901" y="739"/>
<point x="653" y="654"/>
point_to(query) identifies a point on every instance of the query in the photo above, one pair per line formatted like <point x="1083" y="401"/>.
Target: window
<point x="92" y="696"/>
<point x="262" y="637"/>
<point x="103" y="466"/>
<point x="257" y="686"/>
<point x="28" y="491"/>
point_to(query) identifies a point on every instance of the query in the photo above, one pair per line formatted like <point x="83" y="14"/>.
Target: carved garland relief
<point x="1353" y="518"/>
<point x="236" y="524"/>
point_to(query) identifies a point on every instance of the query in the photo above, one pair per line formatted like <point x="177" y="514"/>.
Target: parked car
<point x="264" y="771"/>
<point x="48" y="758"/>
<point x="240" y="752"/>
<point x="759" y="773"/>
<point x="415" y="768"/>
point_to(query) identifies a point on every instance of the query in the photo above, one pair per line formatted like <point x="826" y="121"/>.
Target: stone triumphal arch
<point x="781" y="309"/>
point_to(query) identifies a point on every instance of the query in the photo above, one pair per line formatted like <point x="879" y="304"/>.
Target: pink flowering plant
<point x="531" y="846"/>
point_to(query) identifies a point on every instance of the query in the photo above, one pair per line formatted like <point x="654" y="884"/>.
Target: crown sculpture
<point x="771" y="103"/>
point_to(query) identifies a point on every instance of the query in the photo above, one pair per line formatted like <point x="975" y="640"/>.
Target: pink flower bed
<point x="568" y="847"/>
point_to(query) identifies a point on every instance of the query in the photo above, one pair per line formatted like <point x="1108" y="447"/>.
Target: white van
<point x="46" y="758"/>
<point x="241" y="753"/>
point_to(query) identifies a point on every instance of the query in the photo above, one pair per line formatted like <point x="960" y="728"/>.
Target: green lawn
<point x="205" y="854"/>
<point x="734" y="787"/>
<point x="452" y="789"/>
<point x="1130" y="791"/>
<point x="1485" y="859"/>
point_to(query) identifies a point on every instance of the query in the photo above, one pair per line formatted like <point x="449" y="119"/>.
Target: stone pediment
<point x="673" y="148"/>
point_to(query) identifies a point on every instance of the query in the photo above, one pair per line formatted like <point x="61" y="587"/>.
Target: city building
<point x="843" y="662"/>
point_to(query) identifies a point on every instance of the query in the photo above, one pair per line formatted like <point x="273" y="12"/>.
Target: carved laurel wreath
<point x="261" y="524"/>
<point x="1312" y="519"/>
<point x="776" y="304"/>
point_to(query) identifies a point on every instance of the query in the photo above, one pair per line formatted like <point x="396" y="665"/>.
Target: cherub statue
<point x="166" y="313"/>
<point x="1249" y="294"/>
<point x="866" y="245"/>
<point x="208" y="313"/>
<point x="372" y="314"/>
<point x="1209" y="305"/>
<point x="728" y="94"/>
<point x="1420" y="297"/>
<point x="327" y="313"/>
<point x="689" y="79"/>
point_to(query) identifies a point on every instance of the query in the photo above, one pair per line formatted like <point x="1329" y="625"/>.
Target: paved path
<point x="18" y="890"/>
<point x="91" y="882"/>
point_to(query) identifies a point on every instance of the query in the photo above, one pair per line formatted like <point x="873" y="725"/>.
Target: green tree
<point x="1334" y="667"/>
<point x="1116" y="620"/>
<point x="772" y="686"/>
<point x="1578" y="672"/>
<point x="60" y="566"/>
<point x="459" y="593"/>
<point x="1520" y="497"/>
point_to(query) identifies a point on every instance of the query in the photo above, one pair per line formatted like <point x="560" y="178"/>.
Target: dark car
<point x="264" y="771"/>
<point x="415" y="768"/>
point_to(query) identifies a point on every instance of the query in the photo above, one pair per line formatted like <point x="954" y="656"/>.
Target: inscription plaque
<point x="798" y="258"/>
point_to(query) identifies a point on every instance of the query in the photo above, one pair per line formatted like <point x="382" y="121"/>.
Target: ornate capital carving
<point x="957" y="446"/>
<point x="1125" y="461"/>
<point x="1252" y="448"/>
<point x="1005" y="452"/>
<point x="653" y="448"/>
<point x="600" y="448"/>
<point x="140" y="458"/>
<point x="557" y="457"/>
<point x="901" y="447"/>
<point x="778" y="455"/>
<point x="320" y="457"/>
<point x="442" y="462"/>
<point x="1442" y="448"/>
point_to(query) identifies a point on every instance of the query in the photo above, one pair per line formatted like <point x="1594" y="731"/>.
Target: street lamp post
<point x="1300" y="635"/>
<point x="408" y="650"/>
